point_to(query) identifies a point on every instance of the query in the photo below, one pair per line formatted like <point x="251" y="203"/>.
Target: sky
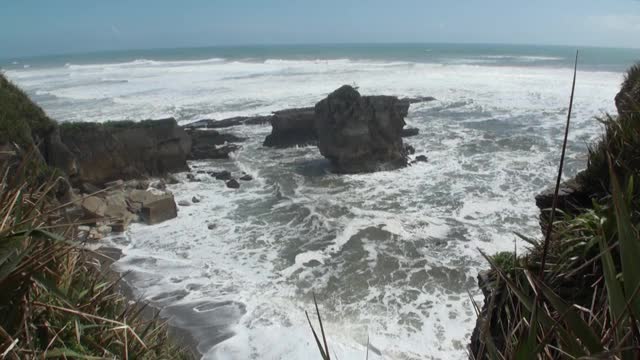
<point x="41" y="27"/>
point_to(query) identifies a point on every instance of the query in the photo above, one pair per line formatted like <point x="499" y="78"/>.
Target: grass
<point x="20" y="119"/>
<point x="55" y="302"/>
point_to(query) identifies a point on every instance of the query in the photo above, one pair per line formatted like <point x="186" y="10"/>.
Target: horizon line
<point x="250" y="45"/>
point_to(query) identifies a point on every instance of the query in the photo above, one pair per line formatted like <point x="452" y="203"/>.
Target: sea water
<point x="391" y="257"/>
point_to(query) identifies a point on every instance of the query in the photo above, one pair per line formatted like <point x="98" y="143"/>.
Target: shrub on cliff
<point x="21" y="120"/>
<point x="585" y="302"/>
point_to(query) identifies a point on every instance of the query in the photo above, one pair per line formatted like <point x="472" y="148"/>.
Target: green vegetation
<point x="55" y="301"/>
<point x="20" y="119"/>
<point x="585" y="303"/>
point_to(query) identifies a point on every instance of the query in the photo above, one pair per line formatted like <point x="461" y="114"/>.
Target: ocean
<point x="391" y="256"/>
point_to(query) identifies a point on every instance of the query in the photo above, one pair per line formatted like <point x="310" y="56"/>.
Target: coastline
<point x="107" y="256"/>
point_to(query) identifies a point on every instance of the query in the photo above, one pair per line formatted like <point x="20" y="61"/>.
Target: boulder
<point x="420" y="158"/>
<point x="408" y="132"/>
<point x="184" y="203"/>
<point x="233" y="184"/>
<point x="94" y="207"/>
<point x="161" y="209"/>
<point x="292" y="127"/>
<point x="361" y="133"/>
<point x="125" y="149"/>
<point x="246" y="177"/>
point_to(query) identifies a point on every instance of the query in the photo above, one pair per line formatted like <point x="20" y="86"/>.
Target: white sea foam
<point x="390" y="254"/>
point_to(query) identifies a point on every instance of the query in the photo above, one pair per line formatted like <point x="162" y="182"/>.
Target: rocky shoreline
<point x="117" y="171"/>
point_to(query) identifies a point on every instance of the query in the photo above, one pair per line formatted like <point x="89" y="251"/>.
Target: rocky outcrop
<point x="125" y="150"/>
<point x="573" y="197"/>
<point x="408" y="132"/>
<point x="210" y="144"/>
<point x="292" y="127"/>
<point x="361" y="133"/>
<point x="234" y="121"/>
<point x="417" y="99"/>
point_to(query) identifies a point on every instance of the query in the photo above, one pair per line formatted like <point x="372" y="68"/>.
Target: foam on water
<point x="390" y="255"/>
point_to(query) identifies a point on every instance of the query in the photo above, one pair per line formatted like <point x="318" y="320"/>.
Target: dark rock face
<point x="221" y="175"/>
<point x="292" y="127"/>
<point x="125" y="150"/>
<point x="408" y="132"/>
<point x="572" y="198"/>
<point x="361" y="133"/>
<point x="206" y="144"/>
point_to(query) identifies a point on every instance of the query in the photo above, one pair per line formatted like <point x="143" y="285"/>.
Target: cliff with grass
<point x="57" y="298"/>
<point x="575" y="294"/>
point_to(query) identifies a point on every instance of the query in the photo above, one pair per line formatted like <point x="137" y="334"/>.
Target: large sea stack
<point x="361" y="133"/>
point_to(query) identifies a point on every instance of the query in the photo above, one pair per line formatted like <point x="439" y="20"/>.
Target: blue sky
<point x="31" y="27"/>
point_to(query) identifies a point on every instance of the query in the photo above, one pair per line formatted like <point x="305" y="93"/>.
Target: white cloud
<point x="115" y="30"/>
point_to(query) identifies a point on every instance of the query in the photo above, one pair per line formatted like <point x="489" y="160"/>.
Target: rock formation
<point x="234" y="121"/>
<point x="292" y="127"/>
<point x="361" y="133"/>
<point x="125" y="150"/>
<point x="210" y="144"/>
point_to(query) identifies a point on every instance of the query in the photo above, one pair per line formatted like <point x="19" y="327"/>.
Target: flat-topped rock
<point x="292" y="127"/>
<point x="361" y="133"/>
<point x="125" y="149"/>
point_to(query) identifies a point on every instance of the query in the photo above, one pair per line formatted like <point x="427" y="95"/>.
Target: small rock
<point x="171" y="179"/>
<point x="104" y="229"/>
<point x="409" y="149"/>
<point x="184" y="203"/>
<point x="159" y="184"/>
<point x="195" y="200"/>
<point x="420" y="158"/>
<point x="222" y="175"/>
<point x="84" y="228"/>
<point x="407" y="132"/>
<point x="119" y="226"/>
<point x="233" y="184"/>
<point x="246" y="177"/>
<point x="211" y="226"/>
<point x="191" y="177"/>
<point x="201" y="172"/>
<point x="94" y="235"/>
